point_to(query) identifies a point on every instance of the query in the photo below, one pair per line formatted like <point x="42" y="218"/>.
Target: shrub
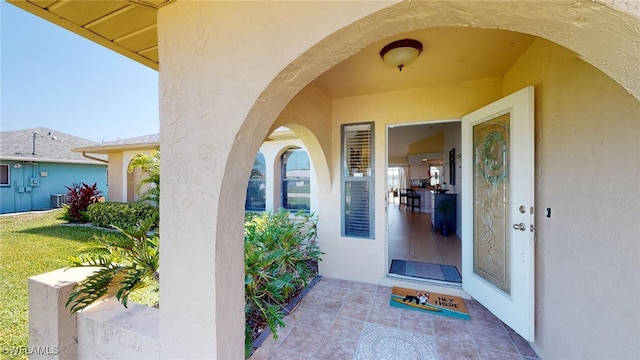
<point x="79" y="197"/>
<point x="280" y="258"/>
<point x="125" y="262"/>
<point x="122" y="215"/>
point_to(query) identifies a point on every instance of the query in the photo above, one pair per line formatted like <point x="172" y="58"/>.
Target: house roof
<point x="136" y="143"/>
<point x="46" y="146"/>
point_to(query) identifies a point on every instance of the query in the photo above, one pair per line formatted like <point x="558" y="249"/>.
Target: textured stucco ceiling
<point x="450" y="55"/>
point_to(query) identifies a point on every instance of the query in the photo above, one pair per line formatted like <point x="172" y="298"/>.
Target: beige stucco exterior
<point x="123" y="185"/>
<point x="217" y="106"/>
<point x="232" y="72"/>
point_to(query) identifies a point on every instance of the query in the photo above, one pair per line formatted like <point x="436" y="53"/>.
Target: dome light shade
<point x="401" y="53"/>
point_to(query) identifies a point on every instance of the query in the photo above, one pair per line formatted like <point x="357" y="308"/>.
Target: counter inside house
<point x="425" y="199"/>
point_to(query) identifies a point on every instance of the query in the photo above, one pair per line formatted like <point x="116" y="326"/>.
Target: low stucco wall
<point x="106" y="330"/>
<point x="111" y="331"/>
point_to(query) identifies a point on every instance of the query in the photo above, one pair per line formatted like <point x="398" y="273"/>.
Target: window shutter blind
<point x="357" y="178"/>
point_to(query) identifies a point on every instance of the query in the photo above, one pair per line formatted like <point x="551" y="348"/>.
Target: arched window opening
<point x="256" y="188"/>
<point x="296" y="172"/>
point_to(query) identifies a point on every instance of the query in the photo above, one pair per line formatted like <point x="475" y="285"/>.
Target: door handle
<point x="521" y="227"/>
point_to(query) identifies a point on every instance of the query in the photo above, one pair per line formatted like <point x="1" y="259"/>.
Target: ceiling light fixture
<point x="401" y="53"/>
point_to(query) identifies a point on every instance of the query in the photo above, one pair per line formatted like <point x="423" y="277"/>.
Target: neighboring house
<point x="123" y="185"/>
<point x="37" y="164"/>
<point x="232" y="72"/>
<point x="273" y="175"/>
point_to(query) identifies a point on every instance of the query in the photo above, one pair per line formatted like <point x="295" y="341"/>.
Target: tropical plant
<point x="281" y="256"/>
<point x="126" y="261"/>
<point x="79" y="197"/>
<point x="149" y="186"/>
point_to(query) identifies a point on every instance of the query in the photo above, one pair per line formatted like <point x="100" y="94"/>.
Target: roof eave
<point x="42" y="160"/>
<point x="40" y="12"/>
<point x="115" y="148"/>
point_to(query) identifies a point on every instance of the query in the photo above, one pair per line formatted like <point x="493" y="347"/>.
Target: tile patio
<point x="350" y="320"/>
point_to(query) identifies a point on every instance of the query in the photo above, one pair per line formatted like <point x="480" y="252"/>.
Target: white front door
<point x="497" y="212"/>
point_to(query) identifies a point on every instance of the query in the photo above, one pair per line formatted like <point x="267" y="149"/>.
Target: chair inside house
<point x="403" y="195"/>
<point x="412" y="200"/>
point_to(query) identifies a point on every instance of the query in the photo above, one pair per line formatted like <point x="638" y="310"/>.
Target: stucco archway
<point x="609" y="43"/>
<point x="334" y="43"/>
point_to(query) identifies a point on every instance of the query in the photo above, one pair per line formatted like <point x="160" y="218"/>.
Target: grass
<point x="32" y="244"/>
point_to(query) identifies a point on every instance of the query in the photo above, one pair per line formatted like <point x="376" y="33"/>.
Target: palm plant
<point x="125" y="261"/>
<point x="150" y="166"/>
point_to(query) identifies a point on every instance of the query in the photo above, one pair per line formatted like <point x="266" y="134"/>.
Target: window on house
<point x="4" y="175"/>
<point x="357" y="180"/>
<point x="256" y="189"/>
<point x="296" y="172"/>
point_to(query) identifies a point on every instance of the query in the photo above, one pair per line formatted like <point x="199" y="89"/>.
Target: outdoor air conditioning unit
<point x="57" y="200"/>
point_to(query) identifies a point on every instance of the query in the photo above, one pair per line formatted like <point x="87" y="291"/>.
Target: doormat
<point x="425" y="270"/>
<point x="429" y="302"/>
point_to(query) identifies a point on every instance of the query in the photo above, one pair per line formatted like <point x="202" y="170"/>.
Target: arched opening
<point x="256" y="188"/>
<point x="295" y="170"/>
<point x="347" y="40"/>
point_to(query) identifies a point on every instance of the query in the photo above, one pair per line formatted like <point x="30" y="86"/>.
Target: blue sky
<point x="53" y="78"/>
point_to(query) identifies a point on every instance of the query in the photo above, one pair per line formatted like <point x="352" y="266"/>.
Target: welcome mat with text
<point x="430" y="302"/>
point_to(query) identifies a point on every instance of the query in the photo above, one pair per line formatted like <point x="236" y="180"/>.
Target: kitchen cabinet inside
<point x="443" y="211"/>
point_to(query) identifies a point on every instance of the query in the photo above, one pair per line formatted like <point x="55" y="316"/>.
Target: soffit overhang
<point x="128" y="27"/>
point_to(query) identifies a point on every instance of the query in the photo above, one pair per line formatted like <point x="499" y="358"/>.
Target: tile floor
<point x="350" y="320"/>
<point x="411" y="237"/>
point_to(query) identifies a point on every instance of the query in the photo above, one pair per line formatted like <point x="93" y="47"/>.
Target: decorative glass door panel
<point x="490" y="204"/>
<point x="497" y="212"/>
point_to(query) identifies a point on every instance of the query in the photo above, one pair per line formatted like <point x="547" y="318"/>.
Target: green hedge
<point x="122" y="215"/>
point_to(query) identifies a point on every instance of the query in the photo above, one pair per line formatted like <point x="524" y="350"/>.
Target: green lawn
<point x="30" y="244"/>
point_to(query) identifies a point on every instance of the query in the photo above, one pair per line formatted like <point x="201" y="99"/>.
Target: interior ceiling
<point x="450" y="55"/>
<point x="401" y="136"/>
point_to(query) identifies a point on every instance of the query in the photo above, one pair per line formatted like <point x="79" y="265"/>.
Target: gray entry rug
<point x="425" y="270"/>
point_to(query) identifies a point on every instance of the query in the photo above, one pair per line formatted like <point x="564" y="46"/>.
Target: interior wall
<point x="453" y="140"/>
<point x="587" y="170"/>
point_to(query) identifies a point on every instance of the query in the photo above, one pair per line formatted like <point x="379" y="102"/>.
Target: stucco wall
<point x="308" y="115"/>
<point x="21" y="196"/>
<point x="116" y="191"/>
<point x="272" y="152"/>
<point x="587" y="173"/>
<point x="214" y="115"/>
<point x="107" y="330"/>
<point x="217" y="106"/>
<point x="363" y="259"/>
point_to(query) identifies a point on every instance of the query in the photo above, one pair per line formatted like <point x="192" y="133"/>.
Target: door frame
<point x="388" y="126"/>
